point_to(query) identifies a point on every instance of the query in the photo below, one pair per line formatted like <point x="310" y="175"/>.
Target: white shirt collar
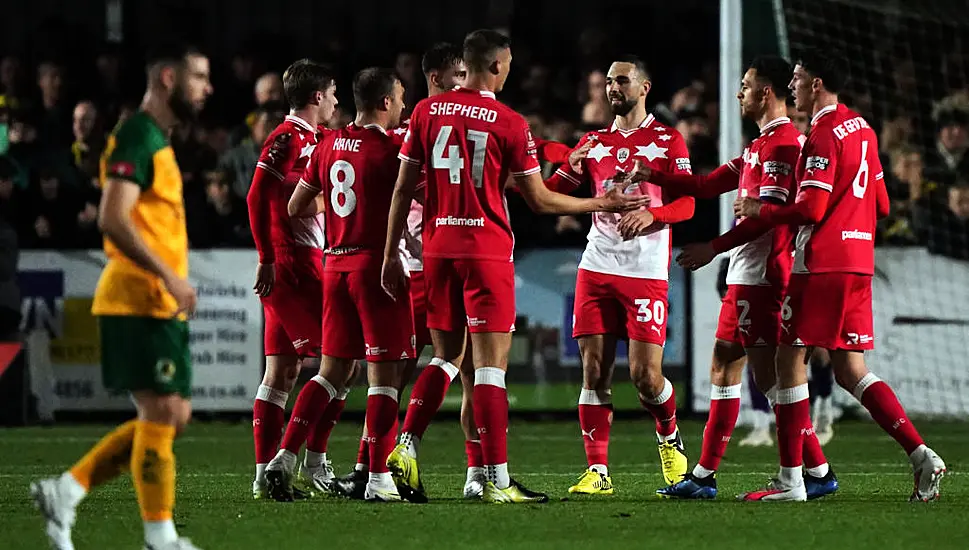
<point x="300" y="122"/>
<point x="644" y="124"/>
<point x="822" y="112"/>
<point x="774" y="124"/>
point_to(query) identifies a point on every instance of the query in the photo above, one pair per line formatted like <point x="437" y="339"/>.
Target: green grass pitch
<point x="215" y="508"/>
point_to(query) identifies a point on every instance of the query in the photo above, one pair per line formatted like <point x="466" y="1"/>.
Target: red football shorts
<point x="750" y="316"/>
<point x="828" y="310"/>
<point x="477" y="294"/>
<point x="627" y="307"/>
<point x="293" y="309"/>
<point x="418" y="299"/>
<point x="362" y="321"/>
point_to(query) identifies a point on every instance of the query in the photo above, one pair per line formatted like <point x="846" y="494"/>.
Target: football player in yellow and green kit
<point x="142" y="302"/>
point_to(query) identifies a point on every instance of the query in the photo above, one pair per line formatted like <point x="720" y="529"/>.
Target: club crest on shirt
<point x="622" y="155"/>
<point x="277" y="151"/>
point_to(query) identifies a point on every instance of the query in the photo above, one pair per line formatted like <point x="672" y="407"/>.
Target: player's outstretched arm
<point x="392" y="275"/>
<point x="542" y="200"/>
<point x="807" y="209"/>
<point x="722" y="180"/>
<point x="114" y="220"/>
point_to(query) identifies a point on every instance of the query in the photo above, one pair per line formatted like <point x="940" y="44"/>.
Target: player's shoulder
<point x="139" y="131"/>
<point x="663" y="132"/>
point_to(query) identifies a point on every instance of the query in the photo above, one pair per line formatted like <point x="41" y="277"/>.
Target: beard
<point x="181" y="106"/>
<point x="623" y="107"/>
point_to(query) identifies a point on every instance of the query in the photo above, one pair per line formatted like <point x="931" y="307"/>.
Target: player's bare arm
<point x="392" y="273"/>
<point x="306" y="202"/>
<point x="115" y="222"/>
<point x="542" y="200"/>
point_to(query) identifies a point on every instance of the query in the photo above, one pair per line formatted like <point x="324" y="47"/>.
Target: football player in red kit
<point x="290" y="271"/>
<point x="470" y="143"/>
<point x="841" y="194"/>
<point x="759" y="268"/>
<point x="621" y="287"/>
<point x="350" y="179"/>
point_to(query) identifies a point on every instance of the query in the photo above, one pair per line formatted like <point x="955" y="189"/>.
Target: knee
<point x="648" y="379"/>
<point x="282" y="377"/>
<point x="172" y="410"/>
<point x="593" y="371"/>
<point x="764" y="381"/>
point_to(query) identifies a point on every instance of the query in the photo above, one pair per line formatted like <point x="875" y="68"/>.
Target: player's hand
<point x="577" y="156"/>
<point x="616" y="201"/>
<point x="638" y="174"/>
<point x="392" y="276"/>
<point x="183" y="292"/>
<point x="696" y="255"/>
<point x="746" y="207"/>
<point x="635" y="224"/>
<point x="265" y="279"/>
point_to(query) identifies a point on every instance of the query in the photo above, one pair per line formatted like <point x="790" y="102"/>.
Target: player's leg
<point x="598" y="352"/>
<point x="726" y="375"/>
<point x="316" y="471"/>
<point x="488" y="289"/>
<point x="269" y="408"/>
<point x="341" y="344"/>
<point x="762" y="413"/>
<point x="446" y="322"/>
<point x="353" y="484"/>
<point x="597" y="320"/>
<point x="822" y="384"/>
<point x="475" y="479"/>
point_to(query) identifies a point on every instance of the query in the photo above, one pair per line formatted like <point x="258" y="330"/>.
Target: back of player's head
<point x="441" y="57"/>
<point x="774" y="71"/>
<point x="371" y="86"/>
<point x="831" y="67"/>
<point x="170" y="54"/>
<point x="481" y="48"/>
<point x="636" y="62"/>
<point x="304" y="78"/>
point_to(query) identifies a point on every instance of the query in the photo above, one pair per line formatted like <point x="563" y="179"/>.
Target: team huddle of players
<point x="386" y="236"/>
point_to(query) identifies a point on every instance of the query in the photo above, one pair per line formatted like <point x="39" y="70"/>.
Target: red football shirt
<point x="469" y="143"/>
<point x="355" y="168"/>
<point x="840" y="157"/>
<point x="284" y="157"/>
<point x="767" y="172"/>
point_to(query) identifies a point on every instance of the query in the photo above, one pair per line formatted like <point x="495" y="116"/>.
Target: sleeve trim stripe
<point x="880" y="176"/>
<point x="530" y="171"/>
<point x="409" y="160"/>
<point x="733" y="168"/>
<point x="269" y="169"/>
<point x="773" y="194"/>
<point x="307" y="185"/>
<point x="774" y="189"/>
<point x="569" y="177"/>
<point x="814" y="183"/>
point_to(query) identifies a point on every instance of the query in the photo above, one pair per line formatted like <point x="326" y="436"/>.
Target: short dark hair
<point x="170" y="54"/>
<point x="830" y="67"/>
<point x="774" y="70"/>
<point x="275" y="112"/>
<point x="636" y="62"/>
<point x="371" y="86"/>
<point x="440" y="57"/>
<point x="481" y="47"/>
<point x="304" y="78"/>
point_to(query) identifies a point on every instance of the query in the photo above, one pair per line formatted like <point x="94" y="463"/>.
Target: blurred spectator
<point x="800" y="120"/>
<point x="696" y="131"/>
<point x="944" y="226"/>
<point x="596" y="112"/>
<point x="239" y="163"/>
<point x="906" y="186"/>
<point x="51" y="116"/>
<point x="896" y="132"/>
<point x="88" y="141"/>
<point x="408" y="67"/>
<point x="51" y="214"/>
<point x="268" y="89"/>
<point x="947" y="161"/>
<point x="222" y="220"/>
<point x="12" y="92"/>
<point x="8" y="193"/>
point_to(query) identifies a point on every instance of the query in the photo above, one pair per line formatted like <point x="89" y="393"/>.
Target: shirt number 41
<point x="448" y="157"/>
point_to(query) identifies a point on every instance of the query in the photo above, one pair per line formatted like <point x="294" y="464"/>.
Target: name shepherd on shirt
<point x="448" y="108"/>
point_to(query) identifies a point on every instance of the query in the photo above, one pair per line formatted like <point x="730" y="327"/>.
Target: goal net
<point x="909" y="77"/>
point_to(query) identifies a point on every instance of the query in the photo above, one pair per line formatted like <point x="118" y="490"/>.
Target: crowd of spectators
<point x="53" y="130"/>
